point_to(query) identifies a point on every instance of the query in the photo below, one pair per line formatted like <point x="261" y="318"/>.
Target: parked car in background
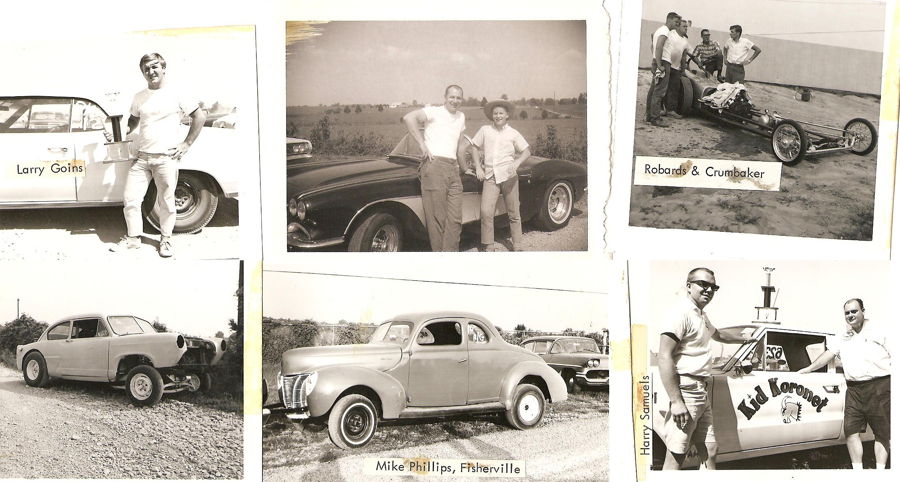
<point x="298" y="149"/>
<point x="376" y="204"/>
<point x="419" y="365"/>
<point x="577" y="359"/>
<point x="122" y="350"/>
<point x="54" y="155"/>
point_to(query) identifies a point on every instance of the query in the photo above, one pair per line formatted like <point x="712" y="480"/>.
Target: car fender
<point x="556" y="387"/>
<point x="335" y="380"/>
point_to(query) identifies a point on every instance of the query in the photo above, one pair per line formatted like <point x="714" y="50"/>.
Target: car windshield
<point x="129" y="325"/>
<point x="577" y="345"/>
<point x="394" y="332"/>
<point x="721" y="353"/>
<point x="407" y="147"/>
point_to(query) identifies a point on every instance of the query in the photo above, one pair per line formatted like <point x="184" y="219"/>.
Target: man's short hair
<point x="861" y="306"/>
<point x="696" y="270"/>
<point x="452" y="86"/>
<point x="154" y="56"/>
<point x="704" y="32"/>
<point x="671" y="16"/>
<point x="736" y="28"/>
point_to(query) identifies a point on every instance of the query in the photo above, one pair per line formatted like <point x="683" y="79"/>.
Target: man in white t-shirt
<point x="866" y="357"/>
<point x="684" y="364"/>
<point x="443" y="154"/>
<point x="659" y="67"/>
<point x="157" y="112"/>
<point x="739" y="52"/>
<point x="678" y="47"/>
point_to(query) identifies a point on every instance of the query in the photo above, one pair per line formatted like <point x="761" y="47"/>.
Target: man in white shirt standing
<point x="739" y="52"/>
<point x="443" y="154"/>
<point x="866" y="356"/>
<point x="684" y="368"/>
<point x="677" y="45"/>
<point x="660" y="65"/>
<point x="157" y="112"/>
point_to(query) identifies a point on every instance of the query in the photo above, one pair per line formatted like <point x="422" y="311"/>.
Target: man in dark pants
<point x="660" y="67"/>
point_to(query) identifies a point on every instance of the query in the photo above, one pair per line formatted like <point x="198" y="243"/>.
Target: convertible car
<point x="376" y="204"/>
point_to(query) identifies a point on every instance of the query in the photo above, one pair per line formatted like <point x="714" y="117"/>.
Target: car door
<point x="87" y="349"/>
<point x="54" y="348"/>
<point x="773" y="405"/>
<point x="489" y="362"/>
<point x="103" y="181"/>
<point x="438" y="365"/>
<point x="37" y="154"/>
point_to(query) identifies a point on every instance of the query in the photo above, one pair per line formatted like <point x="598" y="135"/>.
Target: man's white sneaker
<point x="126" y="243"/>
<point x="165" y="247"/>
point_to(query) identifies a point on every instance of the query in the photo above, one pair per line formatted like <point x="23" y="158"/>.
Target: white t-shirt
<point x="160" y="112"/>
<point x="666" y="55"/>
<point x="676" y="45"/>
<point x="442" y="130"/>
<point x="692" y="328"/>
<point x="740" y="51"/>
<point x="865" y="355"/>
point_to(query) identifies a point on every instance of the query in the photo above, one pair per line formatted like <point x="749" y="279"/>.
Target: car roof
<point x="779" y="327"/>
<point x="111" y="106"/>
<point x="556" y="337"/>
<point x="430" y="315"/>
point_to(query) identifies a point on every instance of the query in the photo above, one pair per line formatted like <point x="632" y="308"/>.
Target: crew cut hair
<point x="694" y="271"/>
<point x="451" y="86"/>
<point x="858" y="300"/>
<point x="672" y="15"/>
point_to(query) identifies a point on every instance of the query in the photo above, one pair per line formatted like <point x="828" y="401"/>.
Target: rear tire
<point x="195" y="203"/>
<point x="528" y="407"/>
<point x="864" y="131"/>
<point x="789" y="142"/>
<point x="686" y="99"/>
<point x="378" y="232"/>
<point x="556" y="206"/>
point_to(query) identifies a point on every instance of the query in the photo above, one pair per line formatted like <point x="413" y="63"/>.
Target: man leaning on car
<point x="684" y="366"/>
<point x="157" y="112"/>
<point x="866" y="356"/>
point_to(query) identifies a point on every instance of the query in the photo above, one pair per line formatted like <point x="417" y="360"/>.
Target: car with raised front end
<point x="376" y="204"/>
<point x="419" y="365"/>
<point x="577" y="359"/>
<point x="122" y="350"/>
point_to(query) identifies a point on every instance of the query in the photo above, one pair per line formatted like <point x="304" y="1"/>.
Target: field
<point x="382" y="130"/>
<point x="825" y="196"/>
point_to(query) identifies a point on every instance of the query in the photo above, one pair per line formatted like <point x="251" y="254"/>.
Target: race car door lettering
<point x="759" y="398"/>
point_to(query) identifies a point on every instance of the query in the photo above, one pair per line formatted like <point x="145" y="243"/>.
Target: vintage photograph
<point x="110" y="380"/>
<point x="445" y="136"/>
<point x="771" y="82"/>
<point x="150" y="140"/>
<point x="762" y="365"/>
<point x="436" y="377"/>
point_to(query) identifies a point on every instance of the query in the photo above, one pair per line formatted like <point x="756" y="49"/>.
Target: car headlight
<point x="292" y="207"/>
<point x="301" y="210"/>
<point x="310" y="383"/>
<point x="594" y="363"/>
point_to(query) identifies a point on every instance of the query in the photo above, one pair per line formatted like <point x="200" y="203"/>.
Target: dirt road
<point x="67" y="431"/>
<point x="79" y="233"/>
<point x="824" y="196"/>
<point x="563" y="450"/>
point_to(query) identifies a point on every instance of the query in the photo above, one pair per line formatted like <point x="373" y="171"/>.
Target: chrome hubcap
<point x="184" y="198"/>
<point x="559" y="203"/>
<point x="386" y="239"/>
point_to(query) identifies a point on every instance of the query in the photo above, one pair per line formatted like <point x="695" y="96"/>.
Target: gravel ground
<point x="69" y="430"/>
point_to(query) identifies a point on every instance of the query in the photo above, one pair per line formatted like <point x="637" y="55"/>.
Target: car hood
<point x="312" y="176"/>
<point x="378" y="356"/>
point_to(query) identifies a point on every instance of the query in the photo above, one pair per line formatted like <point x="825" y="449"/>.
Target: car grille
<point x="597" y="374"/>
<point x="292" y="390"/>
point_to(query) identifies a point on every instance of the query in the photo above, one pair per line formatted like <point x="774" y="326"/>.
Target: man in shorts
<point x="684" y="368"/>
<point x="157" y="112"/>
<point x="739" y="52"/>
<point x="866" y="356"/>
<point x="660" y="67"/>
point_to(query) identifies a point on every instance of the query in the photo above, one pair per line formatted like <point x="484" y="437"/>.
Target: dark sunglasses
<point x="705" y="285"/>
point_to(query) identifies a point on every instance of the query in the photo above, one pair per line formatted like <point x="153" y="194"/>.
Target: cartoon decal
<point x="759" y="398"/>
<point x="790" y="410"/>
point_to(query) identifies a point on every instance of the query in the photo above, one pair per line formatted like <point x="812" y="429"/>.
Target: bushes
<point x="21" y="331"/>
<point x="549" y="145"/>
<point x="324" y="141"/>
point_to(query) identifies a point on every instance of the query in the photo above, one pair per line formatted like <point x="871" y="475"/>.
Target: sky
<point x="846" y="23"/>
<point x="332" y="298"/>
<point x="384" y="62"/>
<point x="811" y="294"/>
<point x="195" y="298"/>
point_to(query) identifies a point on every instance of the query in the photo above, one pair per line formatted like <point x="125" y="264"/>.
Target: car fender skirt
<point x="334" y="381"/>
<point x="537" y="373"/>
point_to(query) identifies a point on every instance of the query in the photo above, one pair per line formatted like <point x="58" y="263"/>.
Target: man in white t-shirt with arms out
<point x="678" y="47"/>
<point x="660" y="65"/>
<point x="684" y="364"/>
<point x="739" y="52"/>
<point x="157" y="112"/>
<point x="443" y="153"/>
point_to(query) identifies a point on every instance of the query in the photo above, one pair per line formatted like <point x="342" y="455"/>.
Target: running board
<point x="425" y="412"/>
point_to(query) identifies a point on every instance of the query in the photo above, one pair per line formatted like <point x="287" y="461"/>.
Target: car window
<point x="85" y="328"/>
<point x="59" y="332"/>
<point x="87" y="116"/>
<point x="440" y="333"/>
<point x="407" y="147"/>
<point x="528" y="346"/>
<point x="396" y="332"/>
<point x="35" y="115"/>
<point x="477" y="334"/>
<point x="101" y="329"/>
<point x="124" y="325"/>
<point x="786" y="352"/>
<point x="145" y="325"/>
<point x="540" y="347"/>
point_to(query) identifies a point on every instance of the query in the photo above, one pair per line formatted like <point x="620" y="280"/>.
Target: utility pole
<point x="18" y="314"/>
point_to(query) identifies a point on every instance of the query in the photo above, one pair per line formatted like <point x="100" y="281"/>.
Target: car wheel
<point x="195" y="203"/>
<point x="789" y="142"/>
<point x="352" y="422"/>
<point x="265" y="390"/>
<point x="378" y="232"/>
<point x="528" y="407"/>
<point x="569" y="377"/>
<point x="144" y="385"/>
<point x="205" y="382"/>
<point x="556" y="206"/>
<point x="34" y="369"/>
<point x="865" y="134"/>
<point x="686" y="99"/>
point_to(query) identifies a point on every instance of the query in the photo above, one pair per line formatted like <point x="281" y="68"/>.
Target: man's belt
<point x="855" y="383"/>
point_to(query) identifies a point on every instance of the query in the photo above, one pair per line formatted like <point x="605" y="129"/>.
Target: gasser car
<point x="122" y="350"/>
<point x="790" y="139"/>
<point x="298" y="149"/>
<point x="376" y="204"/>
<point x="577" y="359"/>
<point x="760" y="404"/>
<point x="415" y="366"/>
<point x="55" y="155"/>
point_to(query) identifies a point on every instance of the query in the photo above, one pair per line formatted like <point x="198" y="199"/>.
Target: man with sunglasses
<point x="708" y="56"/>
<point x="684" y="367"/>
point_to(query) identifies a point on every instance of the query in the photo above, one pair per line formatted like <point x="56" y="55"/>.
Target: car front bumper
<point x="594" y="377"/>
